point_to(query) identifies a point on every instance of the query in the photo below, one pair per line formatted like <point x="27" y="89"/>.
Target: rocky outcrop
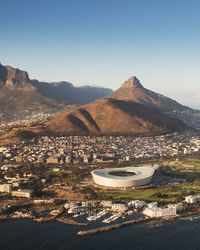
<point x="132" y="90"/>
<point x="14" y="79"/>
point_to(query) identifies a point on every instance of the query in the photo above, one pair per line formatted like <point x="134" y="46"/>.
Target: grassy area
<point x="188" y="169"/>
<point x="189" y="163"/>
<point x="169" y="194"/>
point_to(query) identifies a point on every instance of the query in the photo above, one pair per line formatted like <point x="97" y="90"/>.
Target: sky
<point x="104" y="42"/>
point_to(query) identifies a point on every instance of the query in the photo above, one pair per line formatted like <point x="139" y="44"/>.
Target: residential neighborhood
<point x="110" y="149"/>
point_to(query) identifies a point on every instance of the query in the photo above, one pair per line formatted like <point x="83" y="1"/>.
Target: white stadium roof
<point x="141" y="176"/>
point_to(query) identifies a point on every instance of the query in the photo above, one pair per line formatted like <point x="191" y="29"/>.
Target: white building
<point x="178" y="207"/>
<point x="106" y="203"/>
<point x="192" y="199"/>
<point x="22" y="193"/>
<point x="152" y="204"/>
<point x="137" y="204"/>
<point x="119" y="207"/>
<point x="5" y="188"/>
<point x="89" y="203"/>
<point x="77" y="209"/>
<point x="159" y="212"/>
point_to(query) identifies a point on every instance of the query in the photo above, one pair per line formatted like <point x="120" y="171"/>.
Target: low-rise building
<point x="52" y="160"/>
<point x="106" y="203"/>
<point x="178" y="207"/>
<point x="26" y="193"/>
<point x="159" y="212"/>
<point x="192" y="198"/>
<point x="5" y="188"/>
<point x="152" y="204"/>
<point x="119" y="207"/>
<point x="77" y="209"/>
<point x="137" y="204"/>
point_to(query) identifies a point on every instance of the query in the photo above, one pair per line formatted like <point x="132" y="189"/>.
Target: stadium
<point x="123" y="177"/>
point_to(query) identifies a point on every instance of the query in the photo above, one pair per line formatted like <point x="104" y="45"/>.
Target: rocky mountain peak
<point x="16" y="77"/>
<point x="132" y="82"/>
<point x="3" y="75"/>
<point x="12" y="78"/>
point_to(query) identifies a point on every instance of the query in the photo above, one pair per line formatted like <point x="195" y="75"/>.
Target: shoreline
<point x="102" y="229"/>
<point x="109" y="228"/>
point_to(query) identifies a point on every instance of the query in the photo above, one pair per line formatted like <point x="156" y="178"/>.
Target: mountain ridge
<point x="130" y="110"/>
<point x="133" y="90"/>
<point x="63" y="91"/>
<point x="110" y="116"/>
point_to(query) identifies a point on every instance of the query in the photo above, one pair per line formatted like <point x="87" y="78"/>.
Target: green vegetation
<point x="188" y="169"/>
<point x="169" y="194"/>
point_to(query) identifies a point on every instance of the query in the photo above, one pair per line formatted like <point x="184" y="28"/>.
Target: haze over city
<point x="106" y="42"/>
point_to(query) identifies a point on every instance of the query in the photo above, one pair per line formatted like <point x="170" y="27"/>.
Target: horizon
<point x="104" y="43"/>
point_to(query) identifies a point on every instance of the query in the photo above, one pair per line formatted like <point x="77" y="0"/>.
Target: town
<point x="110" y="149"/>
<point x="20" y="116"/>
<point x="49" y="178"/>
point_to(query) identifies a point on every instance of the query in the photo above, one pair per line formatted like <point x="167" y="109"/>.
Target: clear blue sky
<point x="104" y="42"/>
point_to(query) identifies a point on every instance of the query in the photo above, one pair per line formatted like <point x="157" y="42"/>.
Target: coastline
<point x="102" y="228"/>
<point x="109" y="228"/>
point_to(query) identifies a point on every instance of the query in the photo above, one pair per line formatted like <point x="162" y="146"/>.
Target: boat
<point x="75" y="215"/>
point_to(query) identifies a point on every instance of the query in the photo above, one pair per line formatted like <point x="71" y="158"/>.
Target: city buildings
<point x="155" y="211"/>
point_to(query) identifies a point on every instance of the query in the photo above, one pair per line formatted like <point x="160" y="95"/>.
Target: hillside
<point x="17" y="80"/>
<point x="132" y="90"/>
<point x="66" y="92"/>
<point x="22" y="99"/>
<point x="111" y="117"/>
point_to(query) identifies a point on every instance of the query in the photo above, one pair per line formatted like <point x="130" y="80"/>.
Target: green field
<point x="169" y="194"/>
<point x="189" y="163"/>
<point x="162" y="195"/>
<point x="188" y="169"/>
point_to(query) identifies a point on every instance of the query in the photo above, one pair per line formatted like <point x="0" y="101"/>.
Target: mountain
<point x="65" y="91"/>
<point x="132" y="90"/>
<point x="22" y="98"/>
<point x="18" y="80"/>
<point x="116" y="114"/>
<point x="13" y="78"/>
<point x="110" y="117"/>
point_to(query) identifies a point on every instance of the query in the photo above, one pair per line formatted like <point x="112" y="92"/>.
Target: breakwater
<point x="71" y="221"/>
<point x="111" y="227"/>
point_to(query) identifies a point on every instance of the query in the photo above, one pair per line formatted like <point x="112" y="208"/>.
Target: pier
<point x="111" y="227"/>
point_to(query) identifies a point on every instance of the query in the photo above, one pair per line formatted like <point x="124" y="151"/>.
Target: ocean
<point x="24" y="234"/>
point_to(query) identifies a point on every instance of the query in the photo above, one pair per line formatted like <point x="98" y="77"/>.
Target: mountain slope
<point x="107" y="116"/>
<point x="15" y="80"/>
<point x="132" y="90"/>
<point x="110" y="117"/>
<point x="65" y="91"/>
<point x="21" y="98"/>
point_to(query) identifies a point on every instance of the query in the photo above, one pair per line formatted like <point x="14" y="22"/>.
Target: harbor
<point x="109" y="228"/>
